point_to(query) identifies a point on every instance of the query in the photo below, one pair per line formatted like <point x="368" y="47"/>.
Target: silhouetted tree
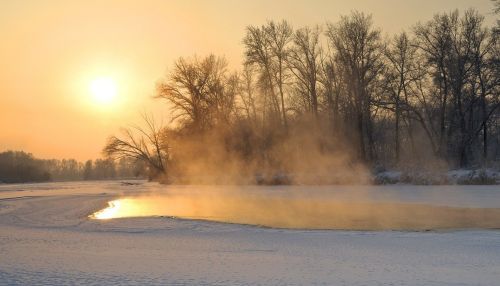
<point x="304" y="62"/>
<point x="401" y="56"/>
<point x="201" y="91"/>
<point x="148" y="144"/>
<point x="19" y="167"/>
<point x="87" y="170"/>
<point x="357" y="46"/>
<point x="267" y="47"/>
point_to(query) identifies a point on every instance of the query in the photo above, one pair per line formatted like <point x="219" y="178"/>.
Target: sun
<point x="103" y="90"/>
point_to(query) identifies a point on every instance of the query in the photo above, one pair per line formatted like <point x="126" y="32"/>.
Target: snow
<point x="46" y="238"/>
<point x="426" y="177"/>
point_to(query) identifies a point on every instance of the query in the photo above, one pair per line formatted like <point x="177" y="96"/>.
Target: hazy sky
<point x="50" y="51"/>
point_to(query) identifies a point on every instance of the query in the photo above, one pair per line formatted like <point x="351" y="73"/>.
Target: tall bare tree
<point x="305" y="63"/>
<point x="258" y="52"/>
<point x="400" y="55"/>
<point x="433" y="39"/>
<point x="358" y="48"/>
<point x="247" y="94"/>
<point x="280" y="35"/>
<point x="268" y="48"/>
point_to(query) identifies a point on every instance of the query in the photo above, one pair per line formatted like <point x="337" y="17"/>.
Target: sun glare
<point x="109" y="212"/>
<point x="103" y="90"/>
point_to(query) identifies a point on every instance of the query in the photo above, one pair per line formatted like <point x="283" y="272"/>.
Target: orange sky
<point x="50" y="51"/>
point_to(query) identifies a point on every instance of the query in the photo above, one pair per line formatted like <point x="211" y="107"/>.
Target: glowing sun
<point x="103" y="90"/>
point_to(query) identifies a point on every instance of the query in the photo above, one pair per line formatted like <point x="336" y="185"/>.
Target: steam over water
<point x="350" y="208"/>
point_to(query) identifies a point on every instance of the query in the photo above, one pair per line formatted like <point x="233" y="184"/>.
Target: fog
<point x="237" y="156"/>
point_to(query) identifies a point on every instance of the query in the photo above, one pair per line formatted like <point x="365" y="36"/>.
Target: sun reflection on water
<point x="109" y="212"/>
<point x="133" y="207"/>
<point x="304" y="212"/>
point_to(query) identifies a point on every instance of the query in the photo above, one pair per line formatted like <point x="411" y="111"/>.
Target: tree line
<point x="20" y="167"/>
<point x="318" y="99"/>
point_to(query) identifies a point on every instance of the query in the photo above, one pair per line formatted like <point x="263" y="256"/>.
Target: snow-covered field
<point x="47" y="238"/>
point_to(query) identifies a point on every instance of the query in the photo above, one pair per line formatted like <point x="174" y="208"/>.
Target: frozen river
<point x="48" y="237"/>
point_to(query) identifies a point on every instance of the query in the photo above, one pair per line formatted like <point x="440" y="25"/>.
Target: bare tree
<point x="484" y="78"/>
<point x="433" y="39"/>
<point x="267" y="47"/>
<point x="305" y="63"/>
<point x="147" y="144"/>
<point x="258" y="52"/>
<point x="401" y="59"/>
<point x="456" y="49"/>
<point x="200" y="91"/>
<point x="280" y="35"/>
<point x="247" y="93"/>
<point x="358" y="48"/>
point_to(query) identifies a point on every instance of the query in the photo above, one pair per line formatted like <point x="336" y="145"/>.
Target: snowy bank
<point x="453" y="177"/>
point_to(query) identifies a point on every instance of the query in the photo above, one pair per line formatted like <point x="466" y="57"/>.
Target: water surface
<point x="353" y="208"/>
